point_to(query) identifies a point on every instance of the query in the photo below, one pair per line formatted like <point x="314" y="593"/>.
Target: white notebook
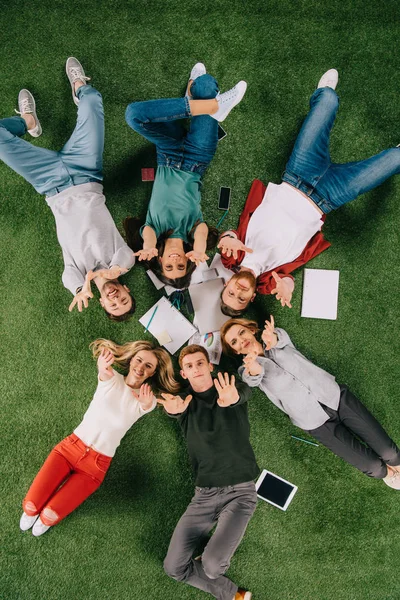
<point x="168" y="325"/>
<point x="320" y="294"/>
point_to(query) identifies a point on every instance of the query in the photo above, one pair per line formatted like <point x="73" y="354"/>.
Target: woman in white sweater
<point x="76" y="467"/>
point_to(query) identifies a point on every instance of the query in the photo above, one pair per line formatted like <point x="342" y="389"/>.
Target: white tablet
<point x="275" y="490"/>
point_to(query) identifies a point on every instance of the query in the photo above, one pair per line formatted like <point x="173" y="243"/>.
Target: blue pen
<point x="222" y="218"/>
<point x="151" y="318"/>
<point x="305" y="441"/>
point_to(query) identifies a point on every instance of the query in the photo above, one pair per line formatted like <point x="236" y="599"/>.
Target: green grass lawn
<point x="339" y="539"/>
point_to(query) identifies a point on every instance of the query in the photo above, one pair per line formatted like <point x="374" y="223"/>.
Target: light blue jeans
<point x="159" y="122"/>
<point x="310" y="168"/>
<point x="79" y="161"/>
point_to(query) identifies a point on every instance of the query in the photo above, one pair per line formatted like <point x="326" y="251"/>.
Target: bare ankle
<point x="29" y="120"/>
<point x="78" y="83"/>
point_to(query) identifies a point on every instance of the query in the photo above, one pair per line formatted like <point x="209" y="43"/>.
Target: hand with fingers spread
<point x="251" y="366"/>
<point x="268" y="336"/>
<point x="227" y="392"/>
<point x="174" y="405"/>
<point x="283" y="289"/>
<point x="111" y="273"/>
<point x="231" y="246"/>
<point x="146" y="253"/>
<point x="145" y="396"/>
<point x="82" y="298"/>
<point x="104" y="362"/>
<point x="196" y="257"/>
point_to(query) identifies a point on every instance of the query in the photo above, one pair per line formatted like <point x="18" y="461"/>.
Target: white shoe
<point x="393" y="481"/>
<point x="329" y="79"/>
<point x="198" y="70"/>
<point x="26" y="104"/>
<point x="228" y="100"/>
<point x="75" y="72"/>
<point x="39" y="528"/>
<point x="26" y="521"/>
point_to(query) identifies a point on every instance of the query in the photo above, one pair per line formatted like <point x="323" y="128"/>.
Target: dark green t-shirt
<point x="174" y="202"/>
<point x="218" y="439"/>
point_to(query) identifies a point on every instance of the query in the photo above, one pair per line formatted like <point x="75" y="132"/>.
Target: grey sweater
<point x="294" y="384"/>
<point x="87" y="234"/>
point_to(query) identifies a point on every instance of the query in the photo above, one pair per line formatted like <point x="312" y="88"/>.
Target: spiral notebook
<point x="168" y="325"/>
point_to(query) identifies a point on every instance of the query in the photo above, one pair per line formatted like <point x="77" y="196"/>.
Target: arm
<point x="274" y="337"/>
<point x="112" y="273"/>
<point x="83" y="295"/>
<point x="174" y="405"/>
<point x="198" y="254"/>
<point x="104" y="363"/>
<point x="149" y="244"/>
<point x="283" y="338"/>
<point x="230" y="245"/>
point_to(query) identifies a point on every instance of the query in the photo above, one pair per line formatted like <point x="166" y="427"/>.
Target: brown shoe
<point x="242" y="595"/>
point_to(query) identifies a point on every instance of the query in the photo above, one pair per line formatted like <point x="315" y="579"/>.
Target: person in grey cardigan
<point x="312" y="398"/>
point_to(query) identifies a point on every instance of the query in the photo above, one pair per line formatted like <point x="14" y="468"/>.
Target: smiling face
<point x="197" y="370"/>
<point x="240" y="290"/>
<point x="142" y="366"/>
<point x="241" y="339"/>
<point x="173" y="261"/>
<point x="115" y="298"/>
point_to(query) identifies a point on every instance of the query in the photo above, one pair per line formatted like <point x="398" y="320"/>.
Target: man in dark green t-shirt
<point x="213" y="417"/>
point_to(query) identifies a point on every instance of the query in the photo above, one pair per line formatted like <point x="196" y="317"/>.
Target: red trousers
<point x="70" y="474"/>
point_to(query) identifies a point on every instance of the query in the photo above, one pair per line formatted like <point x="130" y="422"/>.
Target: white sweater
<point x="111" y="413"/>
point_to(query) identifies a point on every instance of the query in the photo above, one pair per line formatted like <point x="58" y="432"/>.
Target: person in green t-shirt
<point x="174" y="238"/>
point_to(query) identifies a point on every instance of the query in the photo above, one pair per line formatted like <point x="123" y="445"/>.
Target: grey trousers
<point x="230" y="508"/>
<point x="350" y="420"/>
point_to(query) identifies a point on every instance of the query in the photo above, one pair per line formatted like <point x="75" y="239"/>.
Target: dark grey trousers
<point x="353" y="419"/>
<point x="230" y="508"/>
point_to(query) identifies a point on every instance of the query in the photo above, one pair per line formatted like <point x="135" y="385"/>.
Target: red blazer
<point x="265" y="282"/>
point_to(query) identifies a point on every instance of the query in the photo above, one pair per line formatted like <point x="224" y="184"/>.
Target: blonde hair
<point x="251" y="325"/>
<point x="163" y="379"/>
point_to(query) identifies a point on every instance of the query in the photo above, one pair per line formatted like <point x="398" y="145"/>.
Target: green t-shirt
<point x="174" y="202"/>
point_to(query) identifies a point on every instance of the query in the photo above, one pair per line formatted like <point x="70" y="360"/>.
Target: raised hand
<point x="268" y="336"/>
<point x="112" y="273"/>
<point x="251" y="366"/>
<point x="82" y="298"/>
<point x="145" y="396"/>
<point x="227" y="392"/>
<point x="174" y="405"/>
<point x="146" y="253"/>
<point x="104" y="362"/>
<point x="231" y="246"/>
<point x="196" y="257"/>
<point x="283" y="289"/>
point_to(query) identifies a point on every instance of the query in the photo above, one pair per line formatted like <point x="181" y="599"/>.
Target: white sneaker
<point x="39" y="528"/>
<point x="26" y="104"/>
<point x="198" y="69"/>
<point x="393" y="481"/>
<point x="75" y="72"/>
<point x="26" y="521"/>
<point x="329" y="79"/>
<point x="228" y="100"/>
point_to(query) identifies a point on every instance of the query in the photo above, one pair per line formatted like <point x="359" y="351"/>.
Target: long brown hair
<point x="251" y="325"/>
<point x="132" y="226"/>
<point x="163" y="379"/>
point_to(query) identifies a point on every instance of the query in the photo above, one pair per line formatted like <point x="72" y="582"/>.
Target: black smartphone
<point x="221" y="133"/>
<point x="224" y="198"/>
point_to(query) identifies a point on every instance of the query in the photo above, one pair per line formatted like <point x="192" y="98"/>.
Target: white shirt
<point x="279" y="228"/>
<point x="111" y="413"/>
<point x="87" y="234"/>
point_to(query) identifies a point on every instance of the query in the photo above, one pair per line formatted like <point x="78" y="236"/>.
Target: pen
<point x="305" y="441"/>
<point x="151" y="318"/>
<point x="222" y="218"/>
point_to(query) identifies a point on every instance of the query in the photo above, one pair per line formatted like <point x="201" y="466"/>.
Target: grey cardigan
<point x="294" y="384"/>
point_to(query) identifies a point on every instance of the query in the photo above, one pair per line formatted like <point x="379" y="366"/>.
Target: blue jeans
<point x="158" y="122"/>
<point x="310" y="168"/>
<point x="79" y="161"/>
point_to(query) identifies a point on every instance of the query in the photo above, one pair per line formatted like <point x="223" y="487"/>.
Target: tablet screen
<point x="275" y="490"/>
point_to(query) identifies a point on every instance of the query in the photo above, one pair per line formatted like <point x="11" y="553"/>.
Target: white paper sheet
<point x="320" y="294"/>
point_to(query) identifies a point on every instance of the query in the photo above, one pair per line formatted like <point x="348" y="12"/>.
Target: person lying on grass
<point x="80" y="462"/>
<point x="71" y="181"/>
<point x="311" y="398"/>
<point x="279" y="229"/>
<point x="214" y="421"/>
<point x="174" y="238"/>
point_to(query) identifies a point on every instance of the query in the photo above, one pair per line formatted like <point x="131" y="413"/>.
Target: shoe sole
<point x="38" y="128"/>
<point x="74" y="96"/>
